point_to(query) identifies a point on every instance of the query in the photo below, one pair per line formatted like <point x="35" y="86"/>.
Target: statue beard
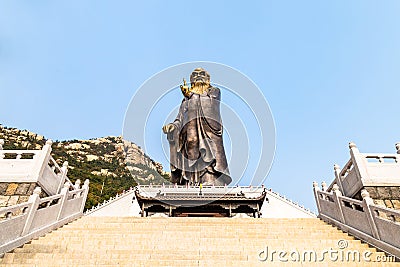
<point x="200" y="87"/>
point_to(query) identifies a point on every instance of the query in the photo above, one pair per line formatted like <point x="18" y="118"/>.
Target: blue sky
<point x="329" y="70"/>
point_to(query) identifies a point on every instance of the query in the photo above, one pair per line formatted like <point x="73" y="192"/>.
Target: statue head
<point x="200" y="77"/>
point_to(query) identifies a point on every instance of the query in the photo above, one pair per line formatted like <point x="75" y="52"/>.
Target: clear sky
<point x="329" y="70"/>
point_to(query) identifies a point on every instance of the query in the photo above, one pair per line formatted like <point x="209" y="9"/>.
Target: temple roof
<point x="195" y="193"/>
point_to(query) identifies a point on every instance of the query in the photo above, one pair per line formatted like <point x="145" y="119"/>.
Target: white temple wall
<point x="122" y="207"/>
<point x="278" y="207"/>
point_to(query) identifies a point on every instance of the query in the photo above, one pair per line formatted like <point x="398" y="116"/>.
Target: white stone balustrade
<point x="27" y="166"/>
<point x="376" y="225"/>
<point x="23" y="222"/>
<point x="367" y="169"/>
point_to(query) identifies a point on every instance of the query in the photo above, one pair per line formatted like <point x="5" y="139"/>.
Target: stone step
<point x="231" y="222"/>
<point x="149" y="254"/>
<point x="183" y="245"/>
<point x="249" y="247"/>
<point x="113" y="240"/>
<point x="188" y="263"/>
<point x="191" y="227"/>
<point x="195" y="231"/>
<point x="198" y="221"/>
<point x="227" y="235"/>
<point x="110" y="241"/>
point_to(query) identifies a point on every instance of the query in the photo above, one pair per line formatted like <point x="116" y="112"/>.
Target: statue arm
<point x="179" y="118"/>
<point x="171" y="129"/>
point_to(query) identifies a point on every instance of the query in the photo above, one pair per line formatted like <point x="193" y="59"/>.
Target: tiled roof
<point x="182" y="194"/>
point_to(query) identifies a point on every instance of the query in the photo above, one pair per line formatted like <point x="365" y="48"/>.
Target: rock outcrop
<point x="111" y="163"/>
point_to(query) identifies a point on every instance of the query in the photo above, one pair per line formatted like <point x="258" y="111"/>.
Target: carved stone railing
<point x="24" y="222"/>
<point x="367" y="169"/>
<point x="375" y="225"/>
<point x="24" y="166"/>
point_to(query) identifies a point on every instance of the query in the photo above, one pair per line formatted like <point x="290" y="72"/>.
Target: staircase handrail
<point x="361" y="218"/>
<point x="23" y="222"/>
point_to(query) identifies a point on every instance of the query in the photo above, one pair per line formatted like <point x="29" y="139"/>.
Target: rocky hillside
<point x="110" y="163"/>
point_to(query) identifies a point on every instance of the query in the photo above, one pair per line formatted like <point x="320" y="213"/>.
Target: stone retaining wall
<point x="385" y="196"/>
<point x="16" y="193"/>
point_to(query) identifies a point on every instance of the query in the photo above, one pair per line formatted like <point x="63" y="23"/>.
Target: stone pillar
<point x="316" y="189"/>
<point x="34" y="200"/>
<point x="258" y="211"/>
<point x="338" y="179"/>
<point x="336" y="194"/>
<point x="78" y="184"/>
<point x="324" y="186"/>
<point x="64" y="196"/>
<point x="64" y="170"/>
<point x="358" y="162"/>
<point x="85" y="193"/>
<point x="367" y="201"/>
<point x="41" y="160"/>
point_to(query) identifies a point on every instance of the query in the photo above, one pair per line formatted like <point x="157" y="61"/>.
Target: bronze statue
<point x="197" y="154"/>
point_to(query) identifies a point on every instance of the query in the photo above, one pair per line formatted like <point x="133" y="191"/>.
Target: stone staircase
<point x="132" y="241"/>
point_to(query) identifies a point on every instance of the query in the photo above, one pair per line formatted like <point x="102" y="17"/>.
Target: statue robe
<point x="197" y="152"/>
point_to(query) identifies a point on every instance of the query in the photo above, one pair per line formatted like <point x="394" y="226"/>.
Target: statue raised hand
<point x="185" y="88"/>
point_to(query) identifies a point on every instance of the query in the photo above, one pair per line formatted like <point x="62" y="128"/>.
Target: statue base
<point x="200" y="201"/>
